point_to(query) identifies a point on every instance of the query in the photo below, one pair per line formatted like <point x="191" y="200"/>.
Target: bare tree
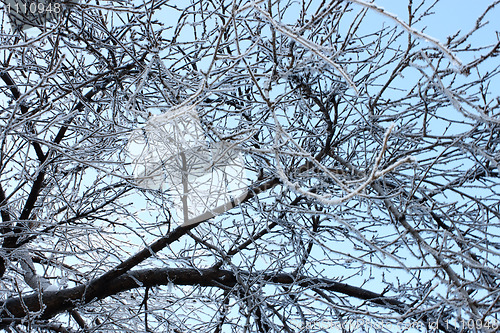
<point x="370" y="151"/>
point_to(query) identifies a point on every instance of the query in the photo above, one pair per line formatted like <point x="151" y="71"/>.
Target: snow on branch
<point x="373" y="175"/>
<point x="411" y="30"/>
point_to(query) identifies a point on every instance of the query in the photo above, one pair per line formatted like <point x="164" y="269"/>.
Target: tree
<point x="370" y="151"/>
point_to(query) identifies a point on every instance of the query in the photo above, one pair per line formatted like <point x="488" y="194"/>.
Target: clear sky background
<point x="450" y="16"/>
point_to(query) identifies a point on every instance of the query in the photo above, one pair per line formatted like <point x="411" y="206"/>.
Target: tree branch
<point x="14" y="309"/>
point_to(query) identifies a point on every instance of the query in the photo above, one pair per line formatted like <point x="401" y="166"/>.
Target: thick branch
<point x="95" y="286"/>
<point x="14" y="309"/>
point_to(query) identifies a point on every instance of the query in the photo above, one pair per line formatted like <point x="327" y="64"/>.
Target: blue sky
<point x="450" y="16"/>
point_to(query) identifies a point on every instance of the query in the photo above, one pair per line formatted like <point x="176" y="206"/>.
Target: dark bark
<point x="68" y="299"/>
